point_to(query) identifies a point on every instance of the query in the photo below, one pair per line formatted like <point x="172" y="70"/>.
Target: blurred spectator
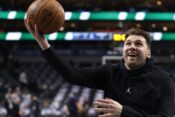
<point x="35" y="107"/>
<point x="65" y="111"/>
<point x="2" y="90"/>
<point x="45" y="110"/>
<point x="3" y="111"/>
<point x="83" y="106"/>
<point x="12" y="101"/>
<point x="26" y="101"/>
<point x="23" y="80"/>
<point x="72" y="105"/>
<point x="91" y="112"/>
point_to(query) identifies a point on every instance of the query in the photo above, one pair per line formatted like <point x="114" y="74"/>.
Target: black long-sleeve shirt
<point x="146" y="92"/>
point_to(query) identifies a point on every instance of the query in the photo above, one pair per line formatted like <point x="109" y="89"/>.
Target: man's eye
<point x="139" y="44"/>
<point x="127" y="43"/>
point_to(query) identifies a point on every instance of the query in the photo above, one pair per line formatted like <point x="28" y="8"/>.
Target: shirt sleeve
<point x="165" y="104"/>
<point x="92" y="77"/>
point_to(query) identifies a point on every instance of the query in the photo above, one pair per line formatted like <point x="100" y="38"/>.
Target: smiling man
<point x="133" y="88"/>
<point x="136" y="49"/>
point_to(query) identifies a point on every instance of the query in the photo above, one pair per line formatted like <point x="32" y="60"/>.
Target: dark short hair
<point x="139" y="32"/>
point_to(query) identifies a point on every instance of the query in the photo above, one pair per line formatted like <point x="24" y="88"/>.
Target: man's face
<point x="135" y="52"/>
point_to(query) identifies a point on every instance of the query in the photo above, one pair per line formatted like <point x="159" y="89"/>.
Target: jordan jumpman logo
<point x="128" y="90"/>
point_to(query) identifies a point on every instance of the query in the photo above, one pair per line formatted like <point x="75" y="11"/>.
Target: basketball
<point x="48" y="15"/>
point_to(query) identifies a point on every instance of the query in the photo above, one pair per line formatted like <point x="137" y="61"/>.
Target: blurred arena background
<point x="92" y="35"/>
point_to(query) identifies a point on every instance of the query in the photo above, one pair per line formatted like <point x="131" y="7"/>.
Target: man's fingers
<point x="104" y="100"/>
<point x="103" y="103"/>
<point x="106" y="115"/>
<point x="38" y="34"/>
<point x="103" y="110"/>
<point x="109" y="99"/>
<point x="36" y="30"/>
<point x="28" y="26"/>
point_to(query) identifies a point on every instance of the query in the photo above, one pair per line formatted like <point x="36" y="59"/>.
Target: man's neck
<point x="133" y="67"/>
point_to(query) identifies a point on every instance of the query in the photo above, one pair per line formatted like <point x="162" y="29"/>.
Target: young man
<point x="133" y="88"/>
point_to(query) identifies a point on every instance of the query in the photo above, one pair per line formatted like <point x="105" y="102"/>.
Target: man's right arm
<point x="89" y="77"/>
<point x="93" y="78"/>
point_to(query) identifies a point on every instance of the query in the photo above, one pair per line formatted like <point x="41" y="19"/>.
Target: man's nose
<point x="132" y="46"/>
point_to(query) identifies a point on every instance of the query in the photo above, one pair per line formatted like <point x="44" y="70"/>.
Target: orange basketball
<point x="48" y="15"/>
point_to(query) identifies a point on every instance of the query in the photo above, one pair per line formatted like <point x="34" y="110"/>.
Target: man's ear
<point x="149" y="54"/>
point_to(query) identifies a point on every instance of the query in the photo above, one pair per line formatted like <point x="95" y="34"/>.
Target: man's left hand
<point x="108" y="108"/>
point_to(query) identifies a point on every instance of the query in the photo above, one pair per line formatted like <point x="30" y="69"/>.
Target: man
<point x="133" y="88"/>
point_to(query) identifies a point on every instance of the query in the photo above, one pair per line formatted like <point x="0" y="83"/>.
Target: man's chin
<point x="132" y="65"/>
<point x="132" y="62"/>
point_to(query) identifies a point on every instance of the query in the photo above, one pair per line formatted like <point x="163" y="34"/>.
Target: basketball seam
<point x="53" y="19"/>
<point x="40" y="10"/>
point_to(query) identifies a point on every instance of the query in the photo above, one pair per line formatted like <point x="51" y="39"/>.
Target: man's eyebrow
<point x="138" y="41"/>
<point x="127" y="40"/>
